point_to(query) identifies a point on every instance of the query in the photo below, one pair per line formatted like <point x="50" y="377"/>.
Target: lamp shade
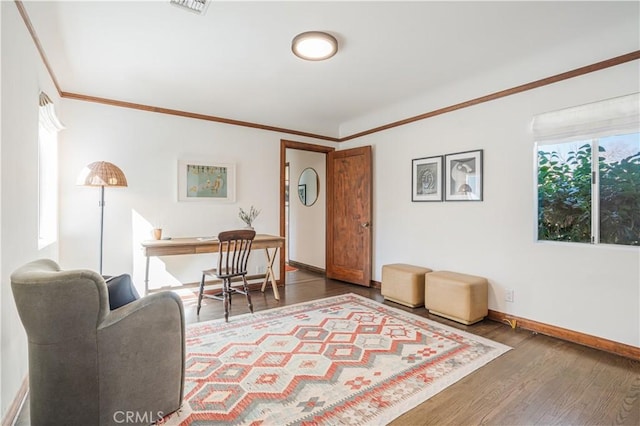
<point x="101" y="173"/>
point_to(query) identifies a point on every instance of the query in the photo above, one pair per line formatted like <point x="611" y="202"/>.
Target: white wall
<point x="147" y="147"/>
<point x="307" y="224"/>
<point x="590" y="289"/>
<point x="23" y="77"/>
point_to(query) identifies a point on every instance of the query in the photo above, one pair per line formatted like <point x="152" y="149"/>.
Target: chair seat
<point x="214" y="273"/>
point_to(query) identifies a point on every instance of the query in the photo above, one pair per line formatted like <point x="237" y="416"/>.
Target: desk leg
<point x="146" y="278"/>
<point x="270" y="275"/>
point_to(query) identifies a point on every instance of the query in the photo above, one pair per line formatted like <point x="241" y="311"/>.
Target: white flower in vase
<point x="248" y="217"/>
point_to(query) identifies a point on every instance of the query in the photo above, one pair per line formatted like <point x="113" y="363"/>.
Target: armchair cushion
<point x="121" y="291"/>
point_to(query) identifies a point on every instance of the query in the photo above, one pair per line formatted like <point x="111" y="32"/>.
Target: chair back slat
<point x="234" y="250"/>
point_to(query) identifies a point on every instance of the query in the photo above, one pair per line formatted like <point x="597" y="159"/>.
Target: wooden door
<point x="349" y="193"/>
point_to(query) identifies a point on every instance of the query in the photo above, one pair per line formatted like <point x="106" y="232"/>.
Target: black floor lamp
<point x="101" y="173"/>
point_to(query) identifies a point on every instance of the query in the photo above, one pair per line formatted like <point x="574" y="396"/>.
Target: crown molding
<point x="161" y="110"/>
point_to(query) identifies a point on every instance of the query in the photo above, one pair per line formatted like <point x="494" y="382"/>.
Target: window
<point x="588" y="173"/>
<point x="47" y="187"/>
<point x="48" y="128"/>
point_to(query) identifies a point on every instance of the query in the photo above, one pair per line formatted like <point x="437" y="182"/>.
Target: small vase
<point x="248" y="227"/>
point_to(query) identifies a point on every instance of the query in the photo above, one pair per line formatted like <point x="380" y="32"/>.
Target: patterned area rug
<point x="343" y="360"/>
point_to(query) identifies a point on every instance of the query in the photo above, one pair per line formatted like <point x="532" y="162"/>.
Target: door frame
<point x="284" y="145"/>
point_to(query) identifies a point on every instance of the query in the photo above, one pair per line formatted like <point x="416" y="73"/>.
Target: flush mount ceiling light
<point x="314" y="46"/>
<point x="196" y="6"/>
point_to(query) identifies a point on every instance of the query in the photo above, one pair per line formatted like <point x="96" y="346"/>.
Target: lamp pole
<point x="101" y="223"/>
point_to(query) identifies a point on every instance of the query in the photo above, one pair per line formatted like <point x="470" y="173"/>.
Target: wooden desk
<point x="194" y="245"/>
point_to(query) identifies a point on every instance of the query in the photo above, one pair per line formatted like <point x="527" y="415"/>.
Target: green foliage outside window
<point x="620" y="201"/>
<point x="564" y="196"/>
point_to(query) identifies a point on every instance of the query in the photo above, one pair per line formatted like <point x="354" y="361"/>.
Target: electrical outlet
<point x="508" y="295"/>
<point x="261" y="269"/>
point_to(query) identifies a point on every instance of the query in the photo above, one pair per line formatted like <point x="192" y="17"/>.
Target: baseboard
<point x="600" y="343"/>
<point x="13" y="411"/>
<point x="306" y="267"/>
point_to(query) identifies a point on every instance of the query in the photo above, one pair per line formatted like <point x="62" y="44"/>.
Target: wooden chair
<point x="234" y="250"/>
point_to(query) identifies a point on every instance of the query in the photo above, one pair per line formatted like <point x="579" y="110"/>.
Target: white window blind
<point x="48" y="118"/>
<point x="609" y="117"/>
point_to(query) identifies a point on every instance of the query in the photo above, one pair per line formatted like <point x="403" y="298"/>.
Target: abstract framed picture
<point x="206" y="181"/>
<point x="426" y="179"/>
<point x="463" y="176"/>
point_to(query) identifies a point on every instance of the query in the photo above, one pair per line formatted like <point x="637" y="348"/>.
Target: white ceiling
<point x="235" y="61"/>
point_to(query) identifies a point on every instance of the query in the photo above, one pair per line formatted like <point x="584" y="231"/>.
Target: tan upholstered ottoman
<point x="459" y="297"/>
<point x="404" y="284"/>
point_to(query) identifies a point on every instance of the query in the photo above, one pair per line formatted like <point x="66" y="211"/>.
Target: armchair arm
<point x="141" y="357"/>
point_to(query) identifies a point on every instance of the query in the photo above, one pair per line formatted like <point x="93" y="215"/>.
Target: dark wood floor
<point x="541" y="381"/>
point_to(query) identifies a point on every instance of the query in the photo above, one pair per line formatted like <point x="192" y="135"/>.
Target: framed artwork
<point x="206" y="181"/>
<point x="426" y="179"/>
<point x="463" y="176"/>
<point x="302" y="193"/>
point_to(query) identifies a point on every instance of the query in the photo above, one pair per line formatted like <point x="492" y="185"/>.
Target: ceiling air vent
<point x="195" y="6"/>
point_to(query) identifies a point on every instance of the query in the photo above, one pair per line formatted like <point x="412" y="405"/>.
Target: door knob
<point x="365" y="224"/>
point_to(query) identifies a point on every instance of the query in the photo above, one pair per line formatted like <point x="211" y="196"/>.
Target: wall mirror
<point x="308" y="186"/>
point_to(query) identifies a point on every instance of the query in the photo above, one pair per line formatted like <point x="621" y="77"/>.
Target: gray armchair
<point x="89" y="365"/>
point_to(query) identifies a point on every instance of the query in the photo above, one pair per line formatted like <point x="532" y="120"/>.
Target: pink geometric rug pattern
<point x="342" y="360"/>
